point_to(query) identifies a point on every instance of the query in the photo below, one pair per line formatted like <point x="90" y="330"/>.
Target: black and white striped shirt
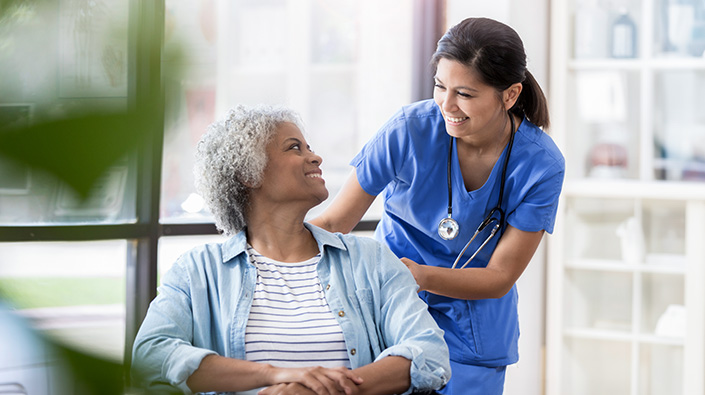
<point x="290" y="323"/>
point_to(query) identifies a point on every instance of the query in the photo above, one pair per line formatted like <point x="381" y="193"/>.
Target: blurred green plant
<point x="79" y="146"/>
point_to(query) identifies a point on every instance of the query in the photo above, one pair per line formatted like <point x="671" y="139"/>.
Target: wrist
<point x="269" y="374"/>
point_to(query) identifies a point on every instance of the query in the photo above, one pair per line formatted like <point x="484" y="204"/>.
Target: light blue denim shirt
<point x="204" y="303"/>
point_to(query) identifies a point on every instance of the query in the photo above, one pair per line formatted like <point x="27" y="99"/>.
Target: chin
<point x="320" y="198"/>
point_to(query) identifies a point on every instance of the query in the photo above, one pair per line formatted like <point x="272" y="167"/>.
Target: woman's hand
<point x="319" y="380"/>
<point x="286" y="389"/>
<point x="417" y="271"/>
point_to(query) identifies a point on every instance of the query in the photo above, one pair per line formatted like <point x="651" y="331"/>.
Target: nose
<point x="315" y="158"/>
<point x="448" y="103"/>
<point x="445" y="101"/>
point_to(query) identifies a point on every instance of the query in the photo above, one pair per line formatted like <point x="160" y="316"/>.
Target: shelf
<point x="598" y="334"/>
<point x="661" y="64"/>
<point x="634" y="189"/>
<point x="623" y="267"/>
<point x="601" y="334"/>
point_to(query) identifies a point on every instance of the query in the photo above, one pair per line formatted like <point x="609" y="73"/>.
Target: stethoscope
<point x="449" y="228"/>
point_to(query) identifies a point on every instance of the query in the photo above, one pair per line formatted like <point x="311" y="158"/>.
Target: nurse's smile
<point x="455" y="121"/>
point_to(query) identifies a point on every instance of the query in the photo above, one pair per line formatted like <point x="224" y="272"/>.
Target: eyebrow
<point x="456" y="87"/>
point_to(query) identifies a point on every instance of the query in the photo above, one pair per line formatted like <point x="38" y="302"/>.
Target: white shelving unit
<point x="626" y="272"/>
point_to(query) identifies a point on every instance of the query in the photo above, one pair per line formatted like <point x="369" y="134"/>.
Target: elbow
<point x="501" y="290"/>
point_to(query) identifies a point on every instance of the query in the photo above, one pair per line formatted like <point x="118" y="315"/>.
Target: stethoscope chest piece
<point x="448" y="228"/>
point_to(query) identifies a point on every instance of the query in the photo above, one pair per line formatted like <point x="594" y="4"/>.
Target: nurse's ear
<point x="511" y="95"/>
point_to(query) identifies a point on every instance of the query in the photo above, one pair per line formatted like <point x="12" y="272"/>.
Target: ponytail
<point x="532" y="102"/>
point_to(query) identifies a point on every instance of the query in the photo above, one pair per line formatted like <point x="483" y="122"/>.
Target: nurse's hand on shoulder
<point x="417" y="271"/>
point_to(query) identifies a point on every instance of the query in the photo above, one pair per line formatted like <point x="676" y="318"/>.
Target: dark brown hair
<point x="495" y="51"/>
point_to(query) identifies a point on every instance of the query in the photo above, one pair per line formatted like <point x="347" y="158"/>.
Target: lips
<point x="315" y="174"/>
<point x="455" y="120"/>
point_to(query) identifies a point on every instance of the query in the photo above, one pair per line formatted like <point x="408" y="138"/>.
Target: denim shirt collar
<point x="237" y="244"/>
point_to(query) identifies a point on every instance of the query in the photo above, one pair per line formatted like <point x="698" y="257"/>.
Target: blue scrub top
<point x="406" y="161"/>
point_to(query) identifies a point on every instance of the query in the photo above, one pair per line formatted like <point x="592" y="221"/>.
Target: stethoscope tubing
<point x="490" y="217"/>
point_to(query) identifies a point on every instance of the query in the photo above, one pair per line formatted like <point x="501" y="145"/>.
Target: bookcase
<point x="626" y="265"/>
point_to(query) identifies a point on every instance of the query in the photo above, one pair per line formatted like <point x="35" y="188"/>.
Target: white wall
<point x="531" y="20"/>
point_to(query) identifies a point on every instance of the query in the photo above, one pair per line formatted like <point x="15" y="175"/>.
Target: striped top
<point x="290" y="323"/>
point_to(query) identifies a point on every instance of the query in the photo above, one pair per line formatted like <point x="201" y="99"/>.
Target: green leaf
<point x="80" y="149"/>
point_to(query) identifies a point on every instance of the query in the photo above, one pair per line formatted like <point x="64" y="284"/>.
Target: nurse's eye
<point x="465" y="95"/>
<point x="439" y="86"/>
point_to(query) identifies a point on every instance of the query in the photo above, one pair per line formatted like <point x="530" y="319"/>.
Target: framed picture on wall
<point x="93" y="37"/>
<point x="15" y="178"/>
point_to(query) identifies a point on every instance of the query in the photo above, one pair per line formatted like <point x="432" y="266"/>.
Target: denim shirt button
<point x="341" y="313"/>
<point x="353" y="351"/>
<point x="327" y="287"/>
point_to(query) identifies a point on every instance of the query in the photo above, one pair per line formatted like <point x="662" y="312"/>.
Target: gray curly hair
<point x="231" y="158"/>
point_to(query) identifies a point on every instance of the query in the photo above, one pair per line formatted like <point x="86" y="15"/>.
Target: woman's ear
<point x="511" y="95"/>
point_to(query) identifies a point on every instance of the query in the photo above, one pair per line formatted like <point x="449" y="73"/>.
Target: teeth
<point x="314" y="176"/>
<point x="456" y="120"/>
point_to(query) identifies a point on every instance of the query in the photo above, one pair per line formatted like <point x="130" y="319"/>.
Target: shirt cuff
<point x="423" y="375"/>
<point x="181" y="364"/>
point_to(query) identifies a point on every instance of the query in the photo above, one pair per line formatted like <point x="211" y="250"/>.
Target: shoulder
<point x="210" y="256"/>
<point x="358" y="248"/>
<point x="415" y="116"/>
<point x="538" y="147"/>
<point x="343" y="242"/>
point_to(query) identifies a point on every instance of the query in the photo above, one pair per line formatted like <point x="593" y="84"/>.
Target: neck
<point x="280" y="235"/>
<point x="490" y="143"/>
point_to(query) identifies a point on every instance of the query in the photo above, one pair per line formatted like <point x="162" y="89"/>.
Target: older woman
<point x="282" y="306"/>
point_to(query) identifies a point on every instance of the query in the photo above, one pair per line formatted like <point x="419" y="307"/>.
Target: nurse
<point x="474" y="153"/>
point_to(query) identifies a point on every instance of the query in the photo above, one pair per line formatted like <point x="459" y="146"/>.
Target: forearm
<point x="223" y="374"/>
<point x="469" y="283"/>
<point x="346" y="209"/>
<point x="508" y="262"/>
<point x="389" y="375"/>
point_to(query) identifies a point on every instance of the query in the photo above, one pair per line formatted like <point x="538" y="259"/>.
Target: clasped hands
<point x="314" y="380"/>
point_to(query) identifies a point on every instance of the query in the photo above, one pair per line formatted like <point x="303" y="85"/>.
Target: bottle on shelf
<point x="624" y="36"/>
<point x="681" y="20"/>
<point x="591" y="30"/>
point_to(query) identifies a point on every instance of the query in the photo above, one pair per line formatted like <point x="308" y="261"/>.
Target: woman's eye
<point x="438" y="86"/>
<point x="295" y="146"/>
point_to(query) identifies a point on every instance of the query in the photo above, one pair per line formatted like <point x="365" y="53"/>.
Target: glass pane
<point x="664" y="230"/>
<point x="661" y="370"/>
<point x="679" y="135"/>
<point x="596" y="367"/>
<point x="605" y="29"/>
<point x="73" y="292"/>
<point x="598" y="300"/>
<point x="595" y="226"/>
<point x="663" y="305"/>
<point x="605" y="141"/>
<point x="679" y="28"/>
<point x="83" y="50"/>
<point x="324" y="58"/>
